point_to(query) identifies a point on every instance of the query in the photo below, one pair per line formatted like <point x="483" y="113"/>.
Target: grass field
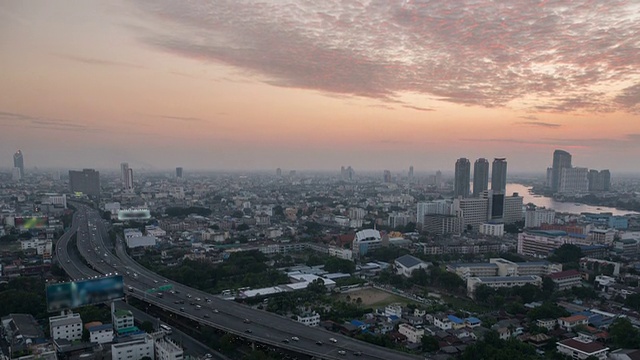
<point x="375" y="298"/>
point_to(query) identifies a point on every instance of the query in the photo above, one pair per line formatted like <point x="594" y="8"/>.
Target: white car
<point x="295" y="338"/>
<point x="333" y="340"/>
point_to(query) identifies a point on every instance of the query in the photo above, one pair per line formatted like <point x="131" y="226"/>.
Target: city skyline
<point x="378" y="85"/>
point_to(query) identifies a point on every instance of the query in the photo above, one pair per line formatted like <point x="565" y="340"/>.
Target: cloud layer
<point x="552" y="55"/>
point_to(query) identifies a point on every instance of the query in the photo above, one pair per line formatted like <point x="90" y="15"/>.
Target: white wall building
<point x="407" y="264"/>
<point x="365" y="241"/>
<point x="166" y="349"/>
<point x="135" y="349"/>
<point x="66" y="326"/>
<point x="582" y="348"/>
<point x="413" y="334"/>
<point x="122" y="319"/>
<point x="394" y="309"/>
<point x="346" y="254"/>
<point x="134" y="239"/>
<point x="474" y="211"/>
<point x="574" y="180"/>
<point x="492" y="229"/>
<point x="513" y="209"/>
<point x="101" y="334"/>
<point x="309" y="319"/>
<point x="42" y="247"/>
<point x="501" y="281"/>
<point x="536" y="217"/>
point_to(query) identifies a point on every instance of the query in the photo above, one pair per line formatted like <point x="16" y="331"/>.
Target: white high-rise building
<point x="473" y="211"/>
<point x="574" y="180"/>
<point x="436" y="207"/>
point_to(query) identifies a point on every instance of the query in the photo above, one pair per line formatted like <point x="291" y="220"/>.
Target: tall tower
<point x="561" y="160"/>
<point x="127" y="176"/>
<point x="179" y="173"/>
<point x="499" y="175"/>
<point x="462" y="178"/>
<point x="480" y="176"/>
<point x="18" y="162"/>
<point x="411" y="172"/>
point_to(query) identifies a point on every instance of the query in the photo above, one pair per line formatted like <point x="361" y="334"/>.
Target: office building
<point x="437" y="224"/>
<point x="179" y="173"/>
<point x="16" y="174"/>
<point x="534" y="217"/>
<point x="101" y="334"/>
<point x="436" y="207"/>
<point x="18" y="162"/>
<point x="410" y="173"/>
<point x="66" y="326"/>
<point x="561" y="160"/>
<point x="462" y="178"/>
<point x="541" y="243"/>
<point x="501" y="282"/>
<point x="492" y="229"/>
<point x="497" y="267"/>
<point x="473" y="212"/>
<point x="573" y="180"/>
<point x="480" y="176"/>
<point x="86" y="181"/>
<point x="599" y="180"/>
<point x="513" y="209"/>
<point x="365" y="241"/>
<point x="499" y="175"/>
<point x="126" y="173"/>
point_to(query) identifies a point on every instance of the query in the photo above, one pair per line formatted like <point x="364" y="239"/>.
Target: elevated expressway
<point x="238" y="319"/>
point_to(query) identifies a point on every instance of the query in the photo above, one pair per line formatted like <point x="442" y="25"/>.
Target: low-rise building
<point x="309" y="319"/>
<point x="122" y="319"/>
<point x="548" y="324"/>
<point x="66" y="326"/>
<point x="407" y="264"/>
<point x="570" y="322"/>
<point x="413" y="334"/>
<point x="442" y="322"/>
<point x="166" y="349"/>
<point x="501" y="281"/>
<point x="581" y="348"/>
<point x="566" y="279"/>
<point x="134" y="348"/>
<point x="101" y="334"/>
<point x="492" y="229"/>
<point x="394" y="309"/>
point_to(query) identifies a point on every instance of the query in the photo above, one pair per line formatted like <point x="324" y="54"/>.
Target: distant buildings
<point x="365" y="241"/>
<point x="534" y="217"/>
<point x="599" y="180"/>
<point x="66" y="326"/>
<point x="480" y="176"/>
<point x="462" y="178"/>
<point x="86" y="181"/>
<point x="573" y="180"/>
<point x="179" y="173"/>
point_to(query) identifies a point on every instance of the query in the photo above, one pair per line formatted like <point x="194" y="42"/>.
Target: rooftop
<point x="408" y="261"/>
<point x="582" y="346"/>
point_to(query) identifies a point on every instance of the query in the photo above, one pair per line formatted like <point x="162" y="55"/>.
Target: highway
<point x="229" y="316"/>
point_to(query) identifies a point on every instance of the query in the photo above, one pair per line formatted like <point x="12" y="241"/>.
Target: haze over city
<point x="316" y="85"/>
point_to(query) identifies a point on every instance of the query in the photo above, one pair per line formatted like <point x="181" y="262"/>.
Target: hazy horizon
<point x="241" y="85"/>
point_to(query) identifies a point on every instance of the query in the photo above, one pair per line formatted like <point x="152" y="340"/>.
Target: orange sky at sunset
<point x="316" y="85"/>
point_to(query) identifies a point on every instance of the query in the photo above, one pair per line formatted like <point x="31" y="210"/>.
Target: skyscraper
<point x="387" y="176"/>
<point x="561" y="160"/>
<point x="480" y="176"/>
<point x="462" y="178"/>
<point x="86" y="181"/>
<point x="499" y="175"/>
<point x="410" y="172"/>
<point x="126" y="174"/>
<point x="18" y="162"/>
<point x="179" y="172"/>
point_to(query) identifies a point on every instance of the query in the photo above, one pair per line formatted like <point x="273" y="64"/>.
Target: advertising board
<point x="81" y="293"/>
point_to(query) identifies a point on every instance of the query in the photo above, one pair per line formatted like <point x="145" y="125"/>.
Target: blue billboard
<point x="81" y="293"/>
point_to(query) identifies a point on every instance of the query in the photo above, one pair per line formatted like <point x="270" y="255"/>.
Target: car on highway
<point x="247" y="321"/>
<point x="198" y="307"/>
<point x="286" y="341"/>
<point x="248" y="331"/>
<point x="206" y="316"/>
<point x="182" y="309"/>
<point x="216" y="311"/>
<point x="333" y="340"/>
<point x="357" y="353"/>
<point x="295" y="338"/>
<point x="342" y="352"/>
<point x="319" y="342"/>
<point x="198" y="299"/>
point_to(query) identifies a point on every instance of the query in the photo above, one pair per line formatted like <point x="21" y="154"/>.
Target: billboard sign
<point x="31" y="222"/>
<point x="134" y="214"/>
<point x="81" y="293"/>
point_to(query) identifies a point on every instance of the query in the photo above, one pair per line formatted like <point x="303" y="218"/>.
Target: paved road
<point x="229" y="316"/>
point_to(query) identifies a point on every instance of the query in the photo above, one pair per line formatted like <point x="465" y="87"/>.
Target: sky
<point x="375" y="84"/>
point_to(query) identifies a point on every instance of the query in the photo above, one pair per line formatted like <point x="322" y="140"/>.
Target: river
<point x="563" y="207"/>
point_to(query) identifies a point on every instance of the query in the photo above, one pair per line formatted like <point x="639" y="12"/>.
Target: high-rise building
<point x="387" y="176"/>
<point x="438" y="179"/>
<point x="179" y="172"/>
<point x="599" y="180"/>
<point x="561" y="160"/>
<point x="499" y="175"/>
<point x="462" y="178"/>
<point x="86" y="181"/>
<point x="573" y="180"/>
<point x="127" y="176"/>
<point x="18" y="162"/>
<point x="480" y="176"/>
<point x="410" y="172"/>
<point x="278" y="172"/>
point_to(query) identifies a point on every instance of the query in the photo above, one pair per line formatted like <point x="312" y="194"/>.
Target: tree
<point x="147" y="327"/>
<point x="227" y="343"/>
<point x="106" y="215"/>
<point x="242" y="227"/>
<point x="623" y="334"/>
<point x="430" y="343"/>
<point x="567" y="253"/>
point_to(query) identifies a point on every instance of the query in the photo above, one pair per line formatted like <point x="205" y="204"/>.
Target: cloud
<point x="625" y="141"/>
<point x="418" y="108"/>
<point x="539" y="124"/>
<point x="100" y="62"/>
<point x="529" y="117"/>
<point x="182" y="118"/>
<point x="630" y="98"/>
<point x="42" y="123"/>
<point x="470" y="52"/>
